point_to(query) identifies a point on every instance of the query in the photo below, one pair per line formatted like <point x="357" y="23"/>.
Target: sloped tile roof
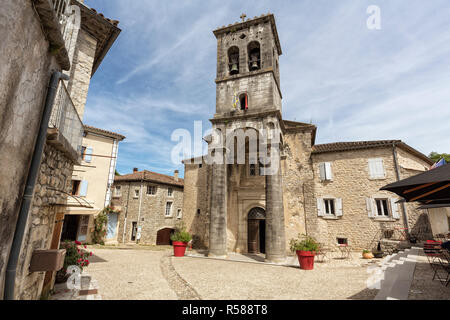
<point x="150" y="176"/>
<point x="103" y="131"/>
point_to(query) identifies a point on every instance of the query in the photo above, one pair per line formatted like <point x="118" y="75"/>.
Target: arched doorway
<point x="163" y="237"/>
<point x="257" y="231"/>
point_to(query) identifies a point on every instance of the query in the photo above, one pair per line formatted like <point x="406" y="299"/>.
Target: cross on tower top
<point x="243" y="16"/>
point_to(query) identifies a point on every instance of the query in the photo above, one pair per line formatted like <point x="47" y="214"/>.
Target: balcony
<point x="65" y="127"/>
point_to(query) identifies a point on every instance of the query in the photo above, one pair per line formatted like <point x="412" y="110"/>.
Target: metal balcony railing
<point x="69" y="19"/>
<point x="65" y="118"/>
<point x="61" y="8"/>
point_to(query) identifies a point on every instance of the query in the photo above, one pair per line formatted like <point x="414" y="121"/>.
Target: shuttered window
<point x="376" y="168"/>
<point x="329" y="207"/>
<point x="325" y="171"/>
<point x="83" y="188"/>
<point x="88" y="154"/>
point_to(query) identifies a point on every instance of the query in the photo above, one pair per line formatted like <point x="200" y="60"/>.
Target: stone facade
<point x="221" y="199"/>
<point x="33" y="47"/>
<point x="147" y="211"/>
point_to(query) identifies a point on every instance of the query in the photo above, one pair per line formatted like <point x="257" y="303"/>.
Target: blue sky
<point x="352" y="82"/>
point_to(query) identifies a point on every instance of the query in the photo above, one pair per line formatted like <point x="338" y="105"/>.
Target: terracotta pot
<point x="179" y="248"/>
<point x="306" y="259"/>
<point x="368" y="255"/>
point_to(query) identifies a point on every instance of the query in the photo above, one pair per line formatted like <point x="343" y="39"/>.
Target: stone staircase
<point x="396" y="274"/>
<point x="88" y="290"/>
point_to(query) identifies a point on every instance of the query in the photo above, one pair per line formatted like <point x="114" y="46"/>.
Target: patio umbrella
<point x="430" y="187"/>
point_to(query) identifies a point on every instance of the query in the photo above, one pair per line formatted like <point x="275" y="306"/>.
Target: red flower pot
<point x="306" y="259"/>
<point x="179" y="248"/>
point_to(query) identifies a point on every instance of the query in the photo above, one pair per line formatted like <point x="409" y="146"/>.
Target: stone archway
<point x="256" y="226"/>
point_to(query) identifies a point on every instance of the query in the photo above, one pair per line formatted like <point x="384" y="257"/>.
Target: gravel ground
<point x="423" y="287"/>
<point x="130" y="274"/>
<point x="334" y="279"/>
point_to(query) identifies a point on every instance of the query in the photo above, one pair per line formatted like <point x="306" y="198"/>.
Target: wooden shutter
<point x="320" y="211"/>
<point x="88" y="156"/>
<point x="328" y="173"/>
<point x="370" y="207"/>
<point x="83" y="188"/>
<point x="322" y="172"/>
<point x="376" y="168"/>
<point x="394" y="208"/>
<point x="338" y="207"/>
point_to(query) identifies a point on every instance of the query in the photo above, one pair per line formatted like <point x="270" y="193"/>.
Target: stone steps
<point x="398" y="274"/>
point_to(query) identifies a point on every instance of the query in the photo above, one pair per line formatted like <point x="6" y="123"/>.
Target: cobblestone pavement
<point x="423" y="287"/>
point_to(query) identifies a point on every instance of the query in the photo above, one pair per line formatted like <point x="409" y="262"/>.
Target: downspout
<point x="126" y="214"/>
<point x="139" y="209"/>
<point x="397" y="172"/>
<point x="11" y="269"/>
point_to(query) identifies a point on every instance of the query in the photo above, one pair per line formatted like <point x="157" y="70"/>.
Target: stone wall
<point x="55" y="173"/>
<point x="153" y="208"/>
<point x="352" y="184"/>
<point x="81" y="70"/>
<point x="25" y="67"/>
<point x="196" y="202"/>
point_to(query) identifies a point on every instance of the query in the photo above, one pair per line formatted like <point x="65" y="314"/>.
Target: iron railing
<point x="65" y="118"/>
<point x="69" y="18"/>
<point x="61" y="7"/>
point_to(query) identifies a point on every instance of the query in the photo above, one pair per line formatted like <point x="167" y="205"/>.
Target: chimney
<point x="175" y="175"/>
<point x="135" y="170"/>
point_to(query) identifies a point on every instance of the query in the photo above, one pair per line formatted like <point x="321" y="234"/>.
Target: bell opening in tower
<point x="254" y="56"/>
<point x="233" y="60"/>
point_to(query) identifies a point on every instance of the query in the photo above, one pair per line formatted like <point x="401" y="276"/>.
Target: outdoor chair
<point x="432" y="250"/>
<point x="345" y="250"/>
<point x="444" y="268"/>
<point x="321" y="252"/>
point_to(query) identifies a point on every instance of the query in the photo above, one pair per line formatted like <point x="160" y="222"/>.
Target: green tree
<point x="438" y="156"/>
<point x="117" y="173"/>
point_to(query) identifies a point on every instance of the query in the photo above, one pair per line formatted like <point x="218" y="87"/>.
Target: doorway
<point x="70" y="227"/>
<point x="163" y="237"/>
<point x="257" y="231"/>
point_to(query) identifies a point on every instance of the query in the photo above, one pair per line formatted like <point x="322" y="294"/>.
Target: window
<point x="198" y="211"/>
<point x="86" y="154"/>
<point x="136" y="193"/>
<point x="325" y="171"/>
<point x="376" y="168"/>
<point x="329" y="206"/>
<point x="243" y="101"/>
<point x="168" y="209"/>
<point x="117" y="191"/>
<point x="75" y="187"/>
<point x="252" y="170"/>
<point x="83" y="152"/>
<point x="169" y="192"/>
<point x="179" y="214"/>
<point x="200" y="165"/>
<point x="151" y="190"/>
<point x="382" y="207"/>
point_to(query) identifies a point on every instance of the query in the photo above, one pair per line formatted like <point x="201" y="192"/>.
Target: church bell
<point x="234" y="68"/>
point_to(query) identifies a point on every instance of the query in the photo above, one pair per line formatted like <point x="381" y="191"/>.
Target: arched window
<point x="254" y="56"/>
<point x="233" y="60"/>
<point x="243" y="101"/>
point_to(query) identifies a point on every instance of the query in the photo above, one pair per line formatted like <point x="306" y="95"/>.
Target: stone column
<point x="275" y="229"/>
<point x="218" y="212"/>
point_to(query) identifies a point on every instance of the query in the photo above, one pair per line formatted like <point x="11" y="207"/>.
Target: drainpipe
<point x="139" y="210"/>
<point x="126" y="214"/>
<point x="10" y="276"/>
<point x="397" y="172"/>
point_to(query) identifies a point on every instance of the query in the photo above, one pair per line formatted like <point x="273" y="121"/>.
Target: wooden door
<point x="253" y="236"/>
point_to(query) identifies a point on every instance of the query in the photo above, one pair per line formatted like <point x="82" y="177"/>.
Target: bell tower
<point x="248" y="101"/>
<point x="248" y="76"/>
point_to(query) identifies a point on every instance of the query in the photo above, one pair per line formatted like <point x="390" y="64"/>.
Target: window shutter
<point x="380" y="168"/>
<point x="328" y="173"/>
<point x="376" y="168"/>
<point x="338" y="207"/>
<point x="322" y="171"/>
<point x="370" y="207"/>
<point x="394" y="208"/>
<point x="88" y="156"/>
<point x="320" y="210"/>
<point x="83" y="188"/>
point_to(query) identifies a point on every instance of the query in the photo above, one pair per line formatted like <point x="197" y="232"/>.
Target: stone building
<point x="49" y="52"/>
<point x="328" y="191"/>
<point x="150" y="206"/>
<point x="91" y="184"/>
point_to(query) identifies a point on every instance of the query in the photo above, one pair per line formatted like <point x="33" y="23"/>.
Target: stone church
<point x="328" y="191"/>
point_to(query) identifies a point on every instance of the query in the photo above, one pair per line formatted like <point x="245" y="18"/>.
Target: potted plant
<point x="367" y="254"/>
<point x="180" y="240"/>
<point x="305" y="247"/>
<point x="74" y="257"/>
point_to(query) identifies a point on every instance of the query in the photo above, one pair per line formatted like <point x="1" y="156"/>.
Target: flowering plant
<point x="75" y="256"/>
